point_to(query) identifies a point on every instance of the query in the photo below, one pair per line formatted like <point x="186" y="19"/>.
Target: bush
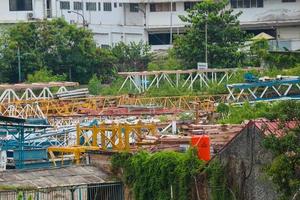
<point x="132" y="57"/>
<point x="44" y="75"/>
<point x="151" y="176"/>
<point x="169" y="62"/>
<point x="282" y="110"/>
<point x="284" y="167"/>
<point x="94" y="85"/>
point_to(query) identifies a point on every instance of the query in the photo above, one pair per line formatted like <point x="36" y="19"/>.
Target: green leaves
<point x="283" y="111"/>
<point x="44" y="75"/>
<point x="284" y="168"/>
<point x="132" y="57"/>
<point x="224" y="36"/>
<point x="152" y="175"/>
<point x="56" y="45"/>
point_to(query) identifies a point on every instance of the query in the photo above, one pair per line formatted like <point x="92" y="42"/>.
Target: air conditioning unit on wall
<point x="30" y="16"/>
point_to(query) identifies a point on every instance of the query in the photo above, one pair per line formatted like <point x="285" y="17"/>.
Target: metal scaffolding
<point x="278" y="89"/>
<point x="143" y="81"/>
<point x="105" y="137"/>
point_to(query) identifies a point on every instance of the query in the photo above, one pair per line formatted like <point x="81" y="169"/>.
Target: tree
<point x="284" y="169"/>
<point x="53" y="45"/>
<point x="262" y="56"/>
<point x="132" y="57"/>
<point x="225" y="39"/>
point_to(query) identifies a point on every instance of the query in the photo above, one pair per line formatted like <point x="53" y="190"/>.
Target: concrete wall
<point x="163" y="19"/>
<point x="244" y="159"/>
<point x="273" y="11"/>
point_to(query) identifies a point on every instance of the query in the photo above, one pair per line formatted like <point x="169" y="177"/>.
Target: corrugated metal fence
<point x="103" y="191"/>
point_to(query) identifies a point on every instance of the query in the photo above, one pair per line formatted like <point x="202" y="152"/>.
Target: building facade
<point x="155" y="21"/>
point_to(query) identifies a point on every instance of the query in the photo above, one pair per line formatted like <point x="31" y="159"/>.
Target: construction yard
<point x="59" y="128"/>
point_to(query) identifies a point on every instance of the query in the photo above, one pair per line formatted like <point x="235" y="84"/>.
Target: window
<point x="134" y="7"/>
<point x="120" y="4"/>
<point x="159" y="38"/>
<point x="65" y="5"/>
<point x="162" y="7"/>
<point x="247" y="3"/>
<point x="115" y="5"/>
<point x="189" y="5"/>
<point x="20" y="5"/>
<point x="287" y="1"/>
<point x="99" y="6"/>
<point x="91" y="6"/>
<point x="77" y="5"/>
<point x="107" y="6"/>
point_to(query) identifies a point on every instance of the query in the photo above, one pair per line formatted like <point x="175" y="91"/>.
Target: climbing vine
<point x="284" y="169"/>
<point x="163" y="175"/>
<point x="217" y="181"/>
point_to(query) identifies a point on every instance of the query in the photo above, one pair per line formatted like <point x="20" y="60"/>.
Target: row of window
<point x="252" y="3"/>
<point x="133" y="7"/>
<point x="162" y="7"/>
<point x="26" y="5"/>
<point x="90" y="6"/>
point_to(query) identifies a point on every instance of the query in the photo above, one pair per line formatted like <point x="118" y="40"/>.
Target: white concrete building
<point x="155" y="21"/>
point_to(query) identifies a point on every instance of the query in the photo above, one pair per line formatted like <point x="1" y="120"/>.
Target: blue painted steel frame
<point x="264" y="83"/>
<point x="254" y="89"/>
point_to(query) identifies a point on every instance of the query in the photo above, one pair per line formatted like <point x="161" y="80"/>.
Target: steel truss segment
<point x="252" y="93"/>
<point x="288" y="89"/>
<point x="123" y="84"/>
<point x="230" y="95"/>
<point x="240" y="94"/>
<point x="153" y="81"/>
<point x="223" y="77"/>
<point x="201" y="78"/>
<point x="187" y="80"/>
<point x="28" y="95"/>
<point x="166" y="76"/>
<point x="278" y="93"/>
<point x="62" y="89"/>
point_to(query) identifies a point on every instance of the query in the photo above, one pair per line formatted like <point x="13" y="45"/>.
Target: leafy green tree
<point x="224" y="36"/>
<point x="165" y="62"/>
<point x="261" y="56"/>
<point x="132" y="57"/>
<point x="284" y="169"/>
<point x="54" y="45"/>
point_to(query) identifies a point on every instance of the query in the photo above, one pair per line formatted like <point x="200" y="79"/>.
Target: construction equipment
<point x="104" y="137"/>
<point x="266" y="89"/>
<point x="143" y="81"/>
<point x="35" y="91"/>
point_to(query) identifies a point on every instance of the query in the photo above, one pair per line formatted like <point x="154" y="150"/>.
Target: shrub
<point x="94" y="85"/>
<point x="44" y="75"/>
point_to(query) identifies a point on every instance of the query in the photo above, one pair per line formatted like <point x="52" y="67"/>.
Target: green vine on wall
<point x="284" y="170"/>
<point x="217" y="180"/>
<point x="162" y="175"/>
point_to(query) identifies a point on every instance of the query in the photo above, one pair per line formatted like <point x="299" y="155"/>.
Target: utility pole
<point x="19" y="64"/>
<point x="171" y="23"/>
<point x="84" y="24"/>
<point x="206" y="38"/>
